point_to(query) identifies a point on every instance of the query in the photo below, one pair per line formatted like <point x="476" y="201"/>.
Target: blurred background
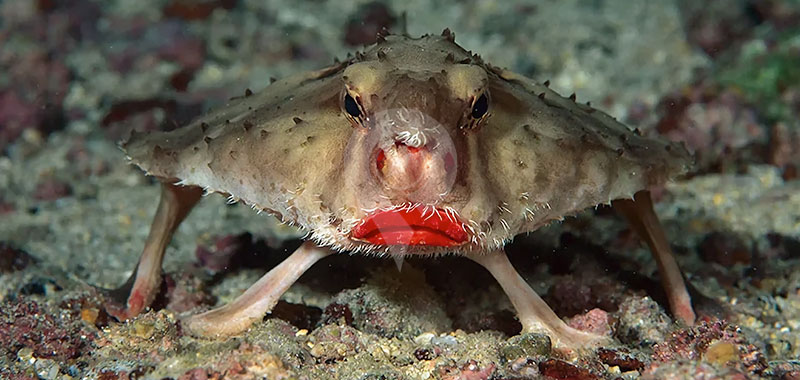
<point x="76" y="76"/>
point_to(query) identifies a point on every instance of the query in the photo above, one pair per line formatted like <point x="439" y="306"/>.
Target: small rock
<point x="142" y="328"/>
<point x="721" y="352"/>
<point x="89" y="315"/>
<point x="334" y="342"/>
<point x="594" y="321"/>
<point x="25" y="355"/>
<point x="47" y="369"/>
<point x="526" y="345"/>
<point x="424" y="338"/>
<point x="641" y="322"/>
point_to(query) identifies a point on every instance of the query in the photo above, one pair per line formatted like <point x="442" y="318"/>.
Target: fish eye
<point x="351" y="106"/>
<point x="480" y="107"/>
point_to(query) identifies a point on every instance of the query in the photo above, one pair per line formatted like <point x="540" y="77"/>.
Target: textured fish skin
<point x="413" y="147"/>
<point x="292" y="151"/>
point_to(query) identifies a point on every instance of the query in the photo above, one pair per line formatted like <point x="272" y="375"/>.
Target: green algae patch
<point x="765" y="74"/>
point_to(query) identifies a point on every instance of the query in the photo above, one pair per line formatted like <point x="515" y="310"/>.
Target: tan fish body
<point x="415" y="146"/>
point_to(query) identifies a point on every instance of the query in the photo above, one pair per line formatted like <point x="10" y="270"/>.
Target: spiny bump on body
<point x="449" y="35"/>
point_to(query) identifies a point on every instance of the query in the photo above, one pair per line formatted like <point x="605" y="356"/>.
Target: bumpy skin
<point x="293" y="151"/>
<point x="413" y="147"/>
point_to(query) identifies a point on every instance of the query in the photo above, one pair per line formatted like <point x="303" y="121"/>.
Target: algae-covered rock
<point x="526" y="345"/>
<point x="331" y="342"/>
<point x="150" y="336"/>
<point x="641" y="322"/>
<point x="392" y="304"/>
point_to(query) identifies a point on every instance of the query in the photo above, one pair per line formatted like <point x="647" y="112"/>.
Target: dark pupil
<point x="351" y="107"/>
<point x="480" y="107"/>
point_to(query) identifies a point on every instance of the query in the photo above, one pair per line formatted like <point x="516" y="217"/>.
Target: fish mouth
<point x="415" y="226"/>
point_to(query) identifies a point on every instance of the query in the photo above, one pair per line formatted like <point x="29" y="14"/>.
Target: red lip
<point x="410" y="227"/>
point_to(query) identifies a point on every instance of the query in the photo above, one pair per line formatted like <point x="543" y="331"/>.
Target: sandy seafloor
<point x="77" y="75"/>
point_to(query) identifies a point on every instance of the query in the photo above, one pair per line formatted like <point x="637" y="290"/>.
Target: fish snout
<point x="412" y="156"/>
<point x="414" y="171"/>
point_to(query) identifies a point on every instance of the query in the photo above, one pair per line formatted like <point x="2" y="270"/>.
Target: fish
<point x="413" y="147"/>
